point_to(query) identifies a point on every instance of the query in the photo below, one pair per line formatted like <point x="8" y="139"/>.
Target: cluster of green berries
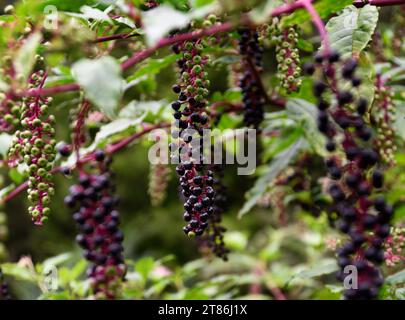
<point x="288" y="59"/>
<point x="10" y="108"/>
<point x="159" y="177"/>
<point x="34" y="145"/>
<point x="384" y="117"/>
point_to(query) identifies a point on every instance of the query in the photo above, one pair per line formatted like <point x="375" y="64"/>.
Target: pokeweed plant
<point x="81" y="84"/>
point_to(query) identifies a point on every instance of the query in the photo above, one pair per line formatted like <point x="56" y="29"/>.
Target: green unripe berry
<point x="41" y="172"/>
<point x="44" y="109"/>
<point x="212" y="18"/>
<point x="8" y="118"/>
<point x="33" y="168"/>
<point x="189" y="46"/>
<point x="51" y="191"/>
<point x="197" y="59"/>
<point x="35" y="151"/>
<point x="42" y="186"/>
<point x="42" y="162"/>
<point x="46" y="200"/>
<point x="49" y="149"/>
<point x="46" y="211"/>
<point x="36" y="122"/>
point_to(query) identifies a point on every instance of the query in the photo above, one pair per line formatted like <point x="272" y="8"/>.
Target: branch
<point x="122" y="36"/>
<point x="317" y="21"/>
<point x="379" y="3"/>
<point x="110" y="149"/>
<point x="141" y="55"/>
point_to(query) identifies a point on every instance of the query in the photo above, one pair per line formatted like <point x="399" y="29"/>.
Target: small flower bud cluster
<point x="191" y="119"/>
<point x="384" y="117"/>
<point x="10" y="108"/>
<point x="159" y="177"/>
<point x="252" y="55"/>
<point x="395" y="247"/>
<point x="363" y="216"/>
<point x="98" y="221"/>
<point x="214" y="236"/>
<point x="288" y="59"/>
<point x="4" y="292"/>
<point x="34" y="145"/>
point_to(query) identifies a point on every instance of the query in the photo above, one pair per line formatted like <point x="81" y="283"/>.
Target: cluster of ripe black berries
<point x="187" y="149"/>
<point x="4" y="292"/>
<point x="214" y="235"/>
<point x="252" y="55"/>
<point x="98" y="222"/>
<point x="363" y="217"/>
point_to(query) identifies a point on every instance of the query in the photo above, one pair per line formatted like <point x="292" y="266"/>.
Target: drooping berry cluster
<point x="98" y="221"/>
<point x="214" y="236"/>
<point x="159" y="177"/>
<point x="253" y="99"/>
<point x="364" y="218"/>
<point x="384" y="117"/>
<point x="9" y="106"/>
<point x="191" y="119"/>
<point x="288" y="59"/>
<point x="35" y="146"/>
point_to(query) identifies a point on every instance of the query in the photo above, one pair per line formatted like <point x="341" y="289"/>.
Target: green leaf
<point x="19" y="272"/>
<point x="55" y="261"/>
<point x="16" y="176"/>
<point x="147" y="111"/>
<point x="324" y="8"/>
<point x="399" y="123"/>
<point x="159" y="21"/>
<point x="200" y="3"/>
<point x="150" y="68"/>
<point x="25" y="57"/>
<point x="318" y="270"/>
<point x="5" y="143"/>
<point x="101" y="81"/>
<point x="396" y="278"/>
<point x="236" y="241"/>
<point x="71" y="5"/>
<point x="279" y="162"/>
<point x="115" y="127"/>
<point x="350" y="32"/>
<point x="144" y="267"/>
<point x="6" y="190"/>
<point x="307" y="113"/>
<point x="95" y="14"/>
